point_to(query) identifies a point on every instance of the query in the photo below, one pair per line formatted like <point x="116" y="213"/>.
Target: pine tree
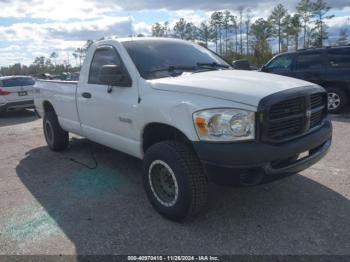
<point x="305" y="9"/>
<point x="180" y="28"/>
<point x="276" y="18"/>
<point x="320" y="10"/>
<point x="261" y="30"/>
<point x="216" y="22"/>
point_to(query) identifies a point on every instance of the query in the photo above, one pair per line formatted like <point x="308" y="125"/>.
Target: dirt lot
<point x="50" y="204"/>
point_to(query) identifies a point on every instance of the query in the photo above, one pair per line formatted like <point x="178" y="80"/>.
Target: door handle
<point x="86" y="95"/>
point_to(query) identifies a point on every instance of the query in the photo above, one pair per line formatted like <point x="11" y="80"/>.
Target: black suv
<point x="328" y="67"/>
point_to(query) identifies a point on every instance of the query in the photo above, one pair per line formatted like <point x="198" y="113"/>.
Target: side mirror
<point x="110" y="74"/>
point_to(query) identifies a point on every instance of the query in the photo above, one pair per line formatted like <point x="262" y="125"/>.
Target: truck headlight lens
<point x="225" y="125"/>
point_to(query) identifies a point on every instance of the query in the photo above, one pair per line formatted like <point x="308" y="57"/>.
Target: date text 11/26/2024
<point x="173" y="258"/>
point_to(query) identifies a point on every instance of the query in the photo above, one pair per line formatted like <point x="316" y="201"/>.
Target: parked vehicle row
<point x="328" y="67"/>
<point x="189" y="116"/>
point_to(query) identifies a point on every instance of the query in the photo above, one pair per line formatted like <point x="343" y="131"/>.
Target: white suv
<point x="16" y="92"/>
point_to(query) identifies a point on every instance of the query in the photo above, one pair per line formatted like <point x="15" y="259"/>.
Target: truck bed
<point x="62" y="96"/>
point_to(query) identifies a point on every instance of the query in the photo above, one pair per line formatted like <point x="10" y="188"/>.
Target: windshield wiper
<point x="213" y="65"/>
<point x="172" y="68"/>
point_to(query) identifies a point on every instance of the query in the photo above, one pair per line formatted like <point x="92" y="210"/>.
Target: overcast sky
<point x="38" y="27"/>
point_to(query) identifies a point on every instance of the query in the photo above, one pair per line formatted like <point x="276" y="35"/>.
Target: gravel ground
<point x="50" y="204"/>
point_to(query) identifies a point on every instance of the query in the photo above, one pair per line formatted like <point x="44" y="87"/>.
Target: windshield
<point x="164" y="58"/>
<point x="19" y="81"/>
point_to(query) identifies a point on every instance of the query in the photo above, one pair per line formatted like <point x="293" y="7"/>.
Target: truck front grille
<point x="317" y="100"/>
<point x="286" y="108"/>
<point x="318" y="109"/>
<point x="285" y="128"/>
<point x="293" y="117"/>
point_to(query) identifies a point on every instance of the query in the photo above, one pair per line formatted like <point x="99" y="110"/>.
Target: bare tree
<point x="235" y="28"/>
<point x="76" y="56"/>
<point x="240" y="11"/>
<point x="247" y="25"/>
<point x="54" y="56"/>
<point x="343" y="37"/>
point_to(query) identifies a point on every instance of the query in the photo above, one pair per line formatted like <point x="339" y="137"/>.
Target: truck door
<point x="107" y="113"/>
<point x="310" y="67"/>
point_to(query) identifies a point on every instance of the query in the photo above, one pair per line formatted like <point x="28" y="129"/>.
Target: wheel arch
<point x="48" y="107"/>
<point x="341" y="85"/>
<point x="157" y="132"/>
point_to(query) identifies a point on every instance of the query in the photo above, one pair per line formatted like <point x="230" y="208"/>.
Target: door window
<point x="309" y="61"/>
<point x="339" y="58"/>
<point x="281" y="63"/>
<point x="105" y="55"/>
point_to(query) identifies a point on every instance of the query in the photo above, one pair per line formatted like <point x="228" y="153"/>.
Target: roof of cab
<point x="129" y="39"/>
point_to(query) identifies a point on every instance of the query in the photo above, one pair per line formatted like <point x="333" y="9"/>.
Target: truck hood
<point x="246" y="87"/>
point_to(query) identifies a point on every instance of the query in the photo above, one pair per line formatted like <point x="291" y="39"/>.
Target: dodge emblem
<point x="308" y="113"/>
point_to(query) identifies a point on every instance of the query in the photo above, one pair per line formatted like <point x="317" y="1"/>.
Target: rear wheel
<point x="56" y="138"/>
<point x="174" y="180"/>
<point x="337" y="100"/>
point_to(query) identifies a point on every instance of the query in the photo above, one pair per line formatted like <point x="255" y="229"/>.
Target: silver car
<point x="16" y="92"/>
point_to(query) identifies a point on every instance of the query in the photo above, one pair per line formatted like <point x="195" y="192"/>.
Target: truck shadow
<point x="105" y="210"/>
<point x="17" y="117"/>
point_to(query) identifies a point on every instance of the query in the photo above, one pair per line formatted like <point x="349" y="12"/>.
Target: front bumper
<point x="231" y="158"/>
<point x="17" y="105"/>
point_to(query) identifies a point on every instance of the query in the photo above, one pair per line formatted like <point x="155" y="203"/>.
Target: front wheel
<point x="337" y="100"/>
<point x="56" y="138"/>
<point x="174" y="180"/>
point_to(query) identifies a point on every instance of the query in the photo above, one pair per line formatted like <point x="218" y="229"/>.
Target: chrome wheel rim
<point x="163" y="183"/>
<point x="333" y="101"/>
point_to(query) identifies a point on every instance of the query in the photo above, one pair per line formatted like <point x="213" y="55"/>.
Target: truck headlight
<point x="225" y="125"/>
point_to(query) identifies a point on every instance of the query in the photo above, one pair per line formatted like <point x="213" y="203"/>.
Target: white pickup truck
<point x="190" y="117"/>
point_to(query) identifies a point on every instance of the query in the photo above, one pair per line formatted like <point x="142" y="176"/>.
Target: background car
<point x="243" y="65"/>
<point x="16" y="92"/>
<point x="328" y="67"/>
